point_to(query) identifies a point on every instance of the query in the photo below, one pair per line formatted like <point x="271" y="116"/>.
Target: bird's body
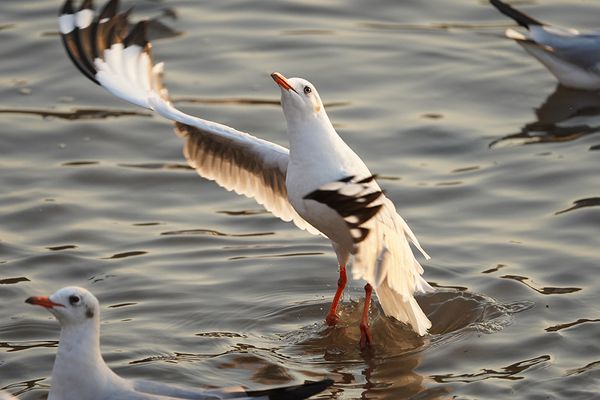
<point x="572" y="57"/>
<point x="363" y="222"/>
<point x="319" y="156"/>
<point x="80" y="372"/>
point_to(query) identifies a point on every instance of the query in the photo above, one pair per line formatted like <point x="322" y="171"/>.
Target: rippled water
<point x="494" y="168"/>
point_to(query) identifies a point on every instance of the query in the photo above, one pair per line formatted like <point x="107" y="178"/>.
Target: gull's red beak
<point x="281" y="81"/>
<point x="43" y="301"/>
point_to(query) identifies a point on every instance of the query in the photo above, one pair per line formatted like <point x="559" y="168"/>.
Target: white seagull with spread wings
<point x="80" y="373"/>
<point x="572" y="57"/>
<point x="320" y="184"/>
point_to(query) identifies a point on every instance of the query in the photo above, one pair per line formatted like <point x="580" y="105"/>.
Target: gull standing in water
<point x="319" y="183"/>
<point x="80" y="372"/>
<point x="572" y="57"/>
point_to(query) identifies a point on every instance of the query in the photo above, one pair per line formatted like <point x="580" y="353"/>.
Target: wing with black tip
<point x="355" y="200"/>
<point x="120" y="60"/>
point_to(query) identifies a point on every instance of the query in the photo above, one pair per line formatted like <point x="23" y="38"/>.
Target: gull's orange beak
<point x="43" y="301"/>
<point x="282" y="81"/>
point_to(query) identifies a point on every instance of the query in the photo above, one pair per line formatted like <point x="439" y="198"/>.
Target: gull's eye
<point x="307" y="90"/>
<point x="74" y="300"/>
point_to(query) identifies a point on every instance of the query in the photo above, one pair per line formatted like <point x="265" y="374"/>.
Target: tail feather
<point x="385" y="260"/>
<point x="521" y="18"/>
<point x="407" y="311"/>
<point x="297" y="392"/>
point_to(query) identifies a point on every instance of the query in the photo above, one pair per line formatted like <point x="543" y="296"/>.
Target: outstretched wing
<point x="120" y="60"/>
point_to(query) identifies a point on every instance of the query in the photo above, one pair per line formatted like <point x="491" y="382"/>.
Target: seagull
<point x="80" y="372"/>
<point x="572" y="57"/>
<point x="319" y="184"/>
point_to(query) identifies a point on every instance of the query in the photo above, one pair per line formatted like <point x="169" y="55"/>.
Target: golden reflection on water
<point x="559" y="119"/>
<point x="205" y="288"/>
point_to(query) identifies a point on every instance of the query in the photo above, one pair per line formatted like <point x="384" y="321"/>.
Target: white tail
<point x="407" y="311"/>
<point x="386" y="260"/>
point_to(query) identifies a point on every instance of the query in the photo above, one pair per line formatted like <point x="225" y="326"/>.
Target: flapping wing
<point x="120" y="60"/>
<point x="252" y="169"/>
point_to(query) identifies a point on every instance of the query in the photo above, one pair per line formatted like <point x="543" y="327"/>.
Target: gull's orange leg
<point x="332" y="318"/>
<point x="366" y="339"/>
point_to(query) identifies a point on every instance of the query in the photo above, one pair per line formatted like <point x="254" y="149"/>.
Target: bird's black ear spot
<point x="89" y="313"/>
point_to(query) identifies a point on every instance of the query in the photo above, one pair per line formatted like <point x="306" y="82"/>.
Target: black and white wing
<point x="355" y="200"/>
<point x="120" y="60"/>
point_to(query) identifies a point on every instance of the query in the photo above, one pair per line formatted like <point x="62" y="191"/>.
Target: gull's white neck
<point x="79" y="370"/>
<point x="316" y="147"/>
<point x="314" y="142"/>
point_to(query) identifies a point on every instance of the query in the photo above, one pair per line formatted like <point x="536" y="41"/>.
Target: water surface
<point x="494" y="167"/>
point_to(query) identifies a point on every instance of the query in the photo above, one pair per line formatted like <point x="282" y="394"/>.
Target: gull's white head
<point x="70" y="305"/>
<point x="299" y="99"/>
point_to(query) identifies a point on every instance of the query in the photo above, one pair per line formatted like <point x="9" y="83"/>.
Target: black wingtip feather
<point x="87" y="5"/>
<point x="520" y="18"/>
<point x="368" y="213"/>
<point x="368" y="179"/>
<point x="109" y="10"/>
<point x="362" y="234"/>
<point x="127" y="12"/>
<point x="75" y="54"/>
<point x="297" y="392"/>
<point x="137" y="36"/>
<point x="117" y="32"/>
<point x="67" y="8"/>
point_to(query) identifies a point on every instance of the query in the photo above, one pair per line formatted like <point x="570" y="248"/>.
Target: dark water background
<point x="494" y="167"/>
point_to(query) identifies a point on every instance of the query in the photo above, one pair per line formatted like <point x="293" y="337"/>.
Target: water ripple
<point x="12" y="281"/>
<point x="76" y="114"/>
<point x="544" y="290"/>
<point x="212" y="232"/>
<point x="584" y="369"/>
<point x="559" y="327"/>
<point x="126" y="254"/>
<point x="63" y="247"/>
<point x="20" y="346"/>
<point x="509" y="372"/>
